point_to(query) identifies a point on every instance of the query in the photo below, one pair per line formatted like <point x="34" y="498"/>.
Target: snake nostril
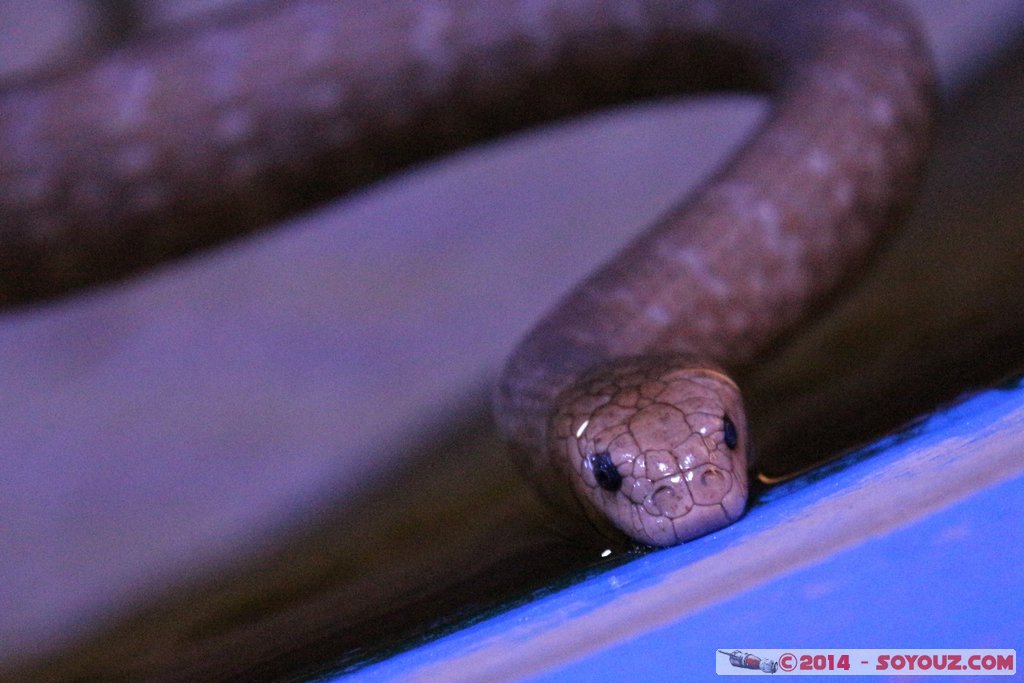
<point x="709" y="484"/>
<point x="605" y="472"/>
<point x="712" y="478"/>
<point x="672" y="500"/>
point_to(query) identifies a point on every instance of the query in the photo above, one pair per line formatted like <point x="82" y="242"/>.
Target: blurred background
<point x="278" y="454"/>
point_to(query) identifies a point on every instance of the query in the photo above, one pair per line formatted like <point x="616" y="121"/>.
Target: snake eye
<point x="605" y="471"/>
<point x="729" y="430"/>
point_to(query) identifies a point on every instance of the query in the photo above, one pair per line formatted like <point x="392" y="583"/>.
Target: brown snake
<point x="615" y="404"/>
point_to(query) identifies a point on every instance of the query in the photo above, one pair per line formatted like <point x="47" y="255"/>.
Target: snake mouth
<point x="675" y="496"/>
<point x="670" y="510"/>
<point x="684" y="506"/>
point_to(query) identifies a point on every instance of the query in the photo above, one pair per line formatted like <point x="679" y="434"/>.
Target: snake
<point x="617" y="406"/>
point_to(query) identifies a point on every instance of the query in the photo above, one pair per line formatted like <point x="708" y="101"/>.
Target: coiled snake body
<point x="616" y="404"/>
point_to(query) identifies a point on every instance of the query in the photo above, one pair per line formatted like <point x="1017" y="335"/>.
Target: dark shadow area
<point x="940" y="314"/>
<point x="453" y="537"/>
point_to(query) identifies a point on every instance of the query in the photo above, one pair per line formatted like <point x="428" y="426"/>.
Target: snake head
<point x="655" y="448"/>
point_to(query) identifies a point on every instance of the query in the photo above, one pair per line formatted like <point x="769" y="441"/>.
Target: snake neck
<point x="740" y="263"/>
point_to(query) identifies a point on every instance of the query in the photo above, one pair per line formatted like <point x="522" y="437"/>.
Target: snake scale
<point x="616" y="405"/>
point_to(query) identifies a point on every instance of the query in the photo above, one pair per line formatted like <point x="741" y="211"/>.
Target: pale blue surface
<point x="952" y="579"/>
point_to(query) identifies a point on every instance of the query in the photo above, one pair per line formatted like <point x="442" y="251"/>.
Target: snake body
<point x="616" y="404"/>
